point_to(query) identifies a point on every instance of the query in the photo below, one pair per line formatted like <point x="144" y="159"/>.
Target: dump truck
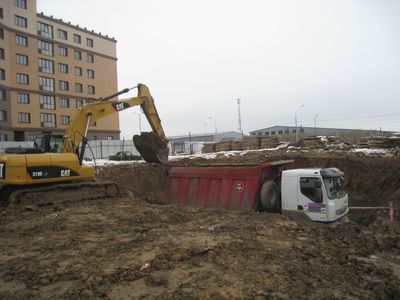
<point x="315" y="194"/>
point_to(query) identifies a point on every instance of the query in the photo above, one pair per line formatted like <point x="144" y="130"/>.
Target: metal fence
<point x="101" y="149"/>
<point x="4" y="145"/>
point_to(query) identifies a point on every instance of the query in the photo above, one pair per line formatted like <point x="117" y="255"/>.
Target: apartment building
<point x="48" y="69"/>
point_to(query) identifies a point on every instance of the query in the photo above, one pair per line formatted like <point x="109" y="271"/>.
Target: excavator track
<point x="63" y="192"/>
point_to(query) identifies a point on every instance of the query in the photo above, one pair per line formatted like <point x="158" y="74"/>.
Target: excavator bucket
<point x="151" y="147"/>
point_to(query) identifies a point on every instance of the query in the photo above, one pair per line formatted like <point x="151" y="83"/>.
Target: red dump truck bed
<point x="221" y="186"/>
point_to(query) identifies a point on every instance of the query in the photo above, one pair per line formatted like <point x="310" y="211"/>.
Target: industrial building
<point x="48" y="69"/>
<point x="189" y="144"/>
<point x="289" y="133"/>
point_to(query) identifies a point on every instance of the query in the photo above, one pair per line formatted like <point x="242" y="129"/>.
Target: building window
<point x="47" y="102"/>
<point x="46" y="84"/>
<point x="267" y="133"/>
<point x="22" y="59"/>
<point x="91" y="89"/>
<point x="280" y="132"/>
<point x="64" y="120"/>
<point x="89" y="43"/>
<point x="77" y="38"/>
<point x="62" y="34"/>
<point x="47" y="120"/>
<point x="2" y="95"/>
<point x="3" y="138"/>
<point x="1" y="13"/>
<point x="24" y="117"/>
<point x="286" y="131"/>
<point x="23" y="98"/>
<point x="64" y="102"/>
<point x="21" y="40"/>
<point x="21" y="21"/>
<point x="90" y="58"/>
<point x="294" y="131"/>
<point x="63" y="68"/>
<point x="272" y="132"/>
<point x="20" y="3"/>
<point x="2" y="54"/>
<point x="78" y="71"/>
<point x="301" y="130"/>
<point x="62" y="51"/>
<point x="63" y="85"/>
<point x="77" y="54"/>
<point x="110" y="138"/>
<point x="3" y="115"/>
<point x="90" y="73"/>
<point x="2" y="33"/>
<point x="2" y="74"/>
<point x="46" y="66"/>
<point x="79" y="103"/>
<point x="78" y="87"/>
<point x="45" y="30"/>
<point x="22" y="78"/>
<point x="45" y="48"/>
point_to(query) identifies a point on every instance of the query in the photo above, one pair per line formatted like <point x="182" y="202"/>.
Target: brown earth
<point x="137" y="246"/>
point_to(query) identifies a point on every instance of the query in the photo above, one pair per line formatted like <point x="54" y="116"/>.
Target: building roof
<point x="76" y="27"/>
<point x="204" y="135"/>
<point x="311" y="128"/>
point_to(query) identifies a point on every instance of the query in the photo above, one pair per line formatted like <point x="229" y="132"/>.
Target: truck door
<point x="310" y="199"/>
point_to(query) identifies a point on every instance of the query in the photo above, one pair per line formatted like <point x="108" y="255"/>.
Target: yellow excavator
<point x="41" y="175"/>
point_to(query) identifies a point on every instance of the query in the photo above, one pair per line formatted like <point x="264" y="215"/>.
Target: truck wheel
<point x="269" y="197"/>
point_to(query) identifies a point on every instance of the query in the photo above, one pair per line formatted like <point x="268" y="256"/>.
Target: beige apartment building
<point x="48" y="69"/>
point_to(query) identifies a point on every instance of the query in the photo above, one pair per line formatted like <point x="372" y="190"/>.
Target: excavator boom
<point x="152" y="146"/>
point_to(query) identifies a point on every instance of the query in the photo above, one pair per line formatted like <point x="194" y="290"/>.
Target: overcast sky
<point x="338" y="58"/>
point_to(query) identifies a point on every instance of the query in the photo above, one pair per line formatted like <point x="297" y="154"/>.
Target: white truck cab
<point x="314" y="194"/>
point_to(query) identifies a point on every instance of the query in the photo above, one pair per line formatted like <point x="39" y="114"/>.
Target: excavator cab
<point x="48" y="142"/>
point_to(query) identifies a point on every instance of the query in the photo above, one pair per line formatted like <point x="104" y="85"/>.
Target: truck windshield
<point x="334" y="187"/>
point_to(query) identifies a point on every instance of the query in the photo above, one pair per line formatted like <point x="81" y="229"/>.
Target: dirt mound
<point x="146" y="181"/>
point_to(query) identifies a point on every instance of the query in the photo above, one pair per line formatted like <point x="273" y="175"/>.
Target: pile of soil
<point x="137" y="246"/>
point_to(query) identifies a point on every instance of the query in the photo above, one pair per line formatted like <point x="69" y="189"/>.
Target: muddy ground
<point x="137" y="246"/>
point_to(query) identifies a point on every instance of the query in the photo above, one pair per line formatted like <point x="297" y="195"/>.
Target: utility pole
<point x="215" y="123"/>
<point x="295" y="122"/>
<point x="239" y="118"/>
<point x="315" y="124"/>
<point x="140" y="120"/>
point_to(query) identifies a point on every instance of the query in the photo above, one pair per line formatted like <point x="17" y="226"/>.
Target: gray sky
<point x="339" y="58"/>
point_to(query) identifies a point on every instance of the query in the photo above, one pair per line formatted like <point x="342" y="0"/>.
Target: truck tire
<point x="269" y="197"/>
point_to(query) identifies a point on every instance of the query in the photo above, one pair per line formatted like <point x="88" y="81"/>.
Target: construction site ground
<point x="139" y="246"/>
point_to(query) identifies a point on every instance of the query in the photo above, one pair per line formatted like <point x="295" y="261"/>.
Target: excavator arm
<point x="152" y="146"/>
